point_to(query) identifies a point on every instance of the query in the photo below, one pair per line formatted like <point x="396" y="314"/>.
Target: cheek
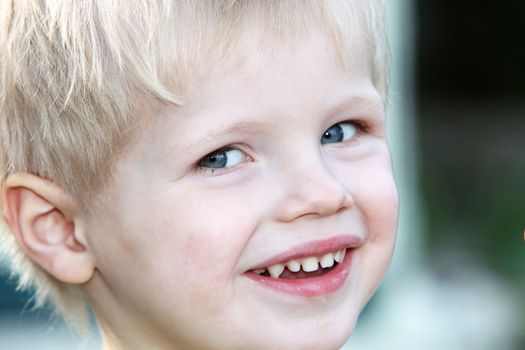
<point x="372" y="186"/>
<point x="375" y="196"/>
<point x="210" y="233"/>
<point x="188" y="249"/>
<point x="377" y="200"/>
<point x="379" y="204"/>
<point x="205" y="233"/>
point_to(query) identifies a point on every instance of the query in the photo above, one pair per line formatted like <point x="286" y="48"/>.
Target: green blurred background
<point x="471" y="115"/>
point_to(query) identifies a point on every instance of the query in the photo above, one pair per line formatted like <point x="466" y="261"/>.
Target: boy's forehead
<point x="257" y="81"/>
<point x="254" y="55"/>
<point x="231" y="83"/>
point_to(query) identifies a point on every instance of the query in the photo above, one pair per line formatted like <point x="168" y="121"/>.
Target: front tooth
<point x="293" y="266"/>
<point x="276" y="270"/>
<point x="340" y="255"/>
<point x="337" y="256"/>
<point x="310" y="264"/>
<point x="327" y="260"/>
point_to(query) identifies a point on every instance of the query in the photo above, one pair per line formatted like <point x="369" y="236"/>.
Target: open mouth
<point x="308" y="267"/>
<point x="308" y="276"/>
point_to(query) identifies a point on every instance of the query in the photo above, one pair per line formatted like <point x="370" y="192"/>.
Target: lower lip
<point x="309" y="287"/>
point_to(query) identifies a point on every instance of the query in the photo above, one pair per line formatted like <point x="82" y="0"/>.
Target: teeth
<point x="327" y="260"/>
<point x="340" y="255"/>
<point x="310" y="264"/>
<point x="276" y="270"/>
<point x="293" y="266"/>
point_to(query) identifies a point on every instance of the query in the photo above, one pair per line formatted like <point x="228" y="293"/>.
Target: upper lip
<point x="313" y="248"/>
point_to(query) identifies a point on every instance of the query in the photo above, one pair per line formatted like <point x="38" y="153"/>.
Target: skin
<point x="173" y="240"/>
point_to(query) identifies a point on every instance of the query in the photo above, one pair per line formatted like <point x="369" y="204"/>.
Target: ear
<point x="47" y="224"/>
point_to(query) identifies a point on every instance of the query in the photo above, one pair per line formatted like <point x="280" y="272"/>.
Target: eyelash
<point x="360" y="125"/>
<point x="218" y="171"/>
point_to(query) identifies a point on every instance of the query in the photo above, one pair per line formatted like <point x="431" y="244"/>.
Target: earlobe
<point x="46" y="224"/>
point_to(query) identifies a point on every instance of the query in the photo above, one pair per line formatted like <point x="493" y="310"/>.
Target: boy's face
<point x="278" y="157"/>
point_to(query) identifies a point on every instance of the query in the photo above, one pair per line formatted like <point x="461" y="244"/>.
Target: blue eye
<point x="338" y="133"/>
<point x="222" y="158"/>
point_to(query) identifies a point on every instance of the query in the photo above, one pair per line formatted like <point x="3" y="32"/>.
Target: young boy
<point x="202" y="174"/>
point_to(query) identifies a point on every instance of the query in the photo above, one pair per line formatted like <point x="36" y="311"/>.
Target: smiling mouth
<point x="311" y="269"/>
<point x="307" y="267"/>
<point x="308" y="277"/>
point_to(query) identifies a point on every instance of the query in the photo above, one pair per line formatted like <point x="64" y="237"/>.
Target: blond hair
<point x="72" y="74"/>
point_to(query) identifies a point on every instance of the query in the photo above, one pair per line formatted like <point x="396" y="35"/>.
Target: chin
<point x="317" y="335"/>
<point x="316" y="341"/>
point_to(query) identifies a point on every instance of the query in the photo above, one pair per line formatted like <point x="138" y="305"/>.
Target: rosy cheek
<point x="383" y="220"/>
<point x="390" y="202"/>
<point x="375" y="194"/>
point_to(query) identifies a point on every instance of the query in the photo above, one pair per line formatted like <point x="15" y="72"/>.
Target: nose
<point x="315" y="192"/>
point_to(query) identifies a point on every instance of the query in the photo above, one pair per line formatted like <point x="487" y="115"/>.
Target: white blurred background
<point x="457" y="132"/>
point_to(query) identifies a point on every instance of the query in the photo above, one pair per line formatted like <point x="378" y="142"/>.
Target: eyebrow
<point x="251" y="127"/>
<point x="241" y="127"/>
<point x="367" y="103"/>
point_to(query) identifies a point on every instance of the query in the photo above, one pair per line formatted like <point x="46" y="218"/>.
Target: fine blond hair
<point x="73" y="73"/>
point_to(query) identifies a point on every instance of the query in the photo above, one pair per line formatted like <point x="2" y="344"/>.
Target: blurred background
<point x="457" y="131"/>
